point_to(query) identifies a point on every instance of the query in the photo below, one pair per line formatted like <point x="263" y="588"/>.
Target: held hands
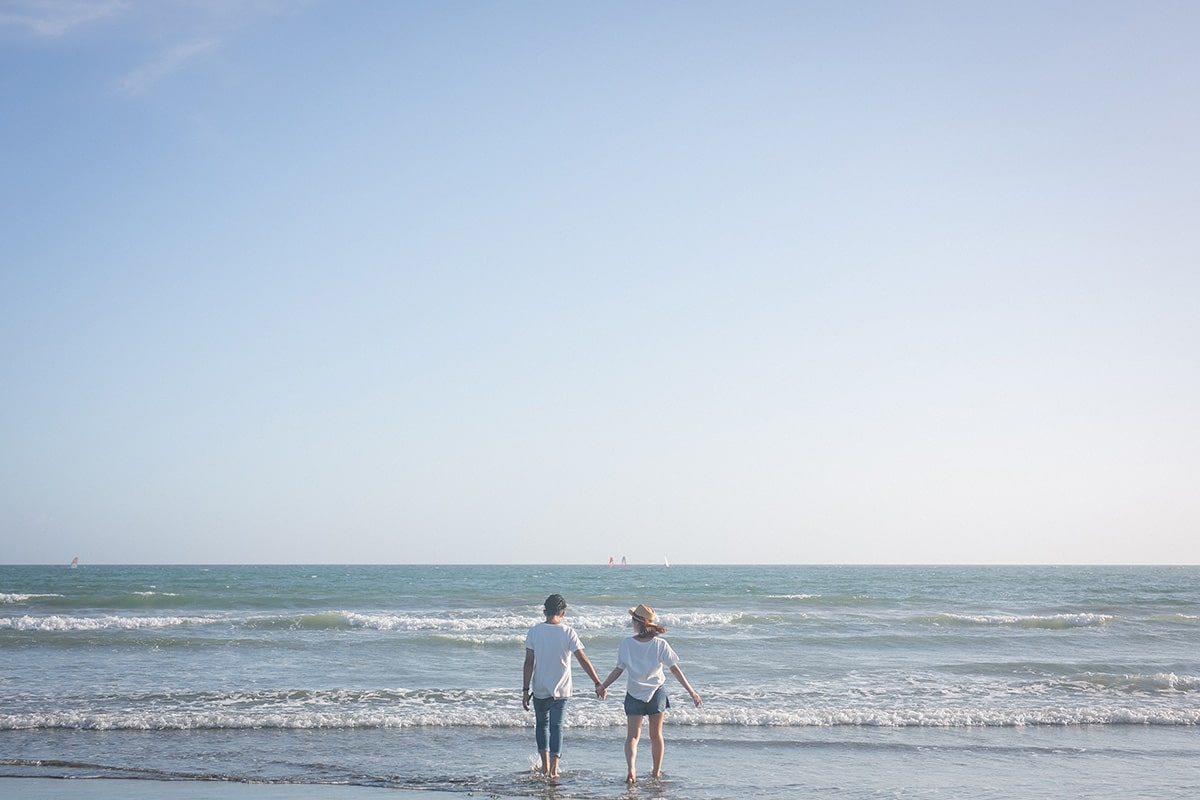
<point x="601" y="691"/>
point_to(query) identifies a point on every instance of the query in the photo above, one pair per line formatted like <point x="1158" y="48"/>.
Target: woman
<point x="644" y="655"/>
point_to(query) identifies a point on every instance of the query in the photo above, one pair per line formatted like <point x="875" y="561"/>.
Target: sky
<point x="541" y="282"/>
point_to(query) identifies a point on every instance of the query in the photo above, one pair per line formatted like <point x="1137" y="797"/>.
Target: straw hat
<point x="644" y="612"/>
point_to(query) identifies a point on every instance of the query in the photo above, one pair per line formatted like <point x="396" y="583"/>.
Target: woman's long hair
<point x="649" y="629"/>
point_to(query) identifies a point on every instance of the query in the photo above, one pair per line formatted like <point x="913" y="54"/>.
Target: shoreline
<point x="100" y="788"/>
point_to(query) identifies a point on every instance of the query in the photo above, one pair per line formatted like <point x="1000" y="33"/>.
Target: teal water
<point x="843" y="681"/>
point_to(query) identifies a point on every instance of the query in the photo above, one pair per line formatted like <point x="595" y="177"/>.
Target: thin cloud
<point x="172" y="60"/>
<point x="54" y="18"/>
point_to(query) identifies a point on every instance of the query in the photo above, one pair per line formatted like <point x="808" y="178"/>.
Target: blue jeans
<point x="549" y="713"/>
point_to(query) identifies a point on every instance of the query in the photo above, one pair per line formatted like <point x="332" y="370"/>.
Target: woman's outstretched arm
<point x="678" y="673"/>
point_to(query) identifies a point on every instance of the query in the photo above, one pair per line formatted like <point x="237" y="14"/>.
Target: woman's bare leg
<point x="657" y="745"/>
<point x="632" y="732"/>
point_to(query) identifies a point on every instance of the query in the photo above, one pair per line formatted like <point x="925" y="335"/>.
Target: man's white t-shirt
<point x="552" y="646"/>
<point x="643" y="662"/>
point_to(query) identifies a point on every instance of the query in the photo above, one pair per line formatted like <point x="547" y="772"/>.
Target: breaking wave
<point x="60" y="624"/>
<point x="1045" y="621"/>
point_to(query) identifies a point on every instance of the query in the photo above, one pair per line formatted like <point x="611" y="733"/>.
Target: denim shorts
<point x="657" y="704"/>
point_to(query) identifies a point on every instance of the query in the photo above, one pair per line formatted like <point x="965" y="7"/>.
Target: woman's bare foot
<point x="631" y="778"/>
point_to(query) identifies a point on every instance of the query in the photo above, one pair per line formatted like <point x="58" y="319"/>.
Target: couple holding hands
<point x="548" y="649"/>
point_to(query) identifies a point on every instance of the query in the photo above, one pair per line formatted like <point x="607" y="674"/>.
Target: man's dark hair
<point x="555" y="605"/>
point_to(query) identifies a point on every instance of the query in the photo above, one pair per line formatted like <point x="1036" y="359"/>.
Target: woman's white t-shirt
<point x="643" y="662"/>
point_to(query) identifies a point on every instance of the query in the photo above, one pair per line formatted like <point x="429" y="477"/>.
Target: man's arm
<point x="582" y="658"/>
<point x="526" y="693"/>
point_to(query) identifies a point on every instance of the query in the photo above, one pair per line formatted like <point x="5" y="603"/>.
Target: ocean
<point x="818" y="681"/>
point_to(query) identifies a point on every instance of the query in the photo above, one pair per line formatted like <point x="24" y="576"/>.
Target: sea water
<point x="832" y="682"/>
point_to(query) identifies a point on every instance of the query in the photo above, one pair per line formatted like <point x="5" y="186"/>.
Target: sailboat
<point x="622" y="561"/>
<point x="666" y="563"/>
<point x="75" y="562"/>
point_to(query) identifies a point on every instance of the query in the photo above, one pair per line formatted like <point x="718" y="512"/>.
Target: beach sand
<point x="125" y="789"/>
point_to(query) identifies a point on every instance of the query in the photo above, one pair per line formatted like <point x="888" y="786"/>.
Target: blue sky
<point x="549" y="282"/>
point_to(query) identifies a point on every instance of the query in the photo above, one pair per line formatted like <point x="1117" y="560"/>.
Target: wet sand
<point x="124" y="789"/>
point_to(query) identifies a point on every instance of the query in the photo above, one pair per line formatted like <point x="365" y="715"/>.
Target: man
<point x="548" y="649"/>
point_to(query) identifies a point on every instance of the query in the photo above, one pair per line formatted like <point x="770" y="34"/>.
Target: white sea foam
<point x="56" y="623"/>
<point x="1047" y="621"/>
<point x="1156" y="682"/>
<point x="483" y="638"/>
<point x="508" y="623"/>
<point x="9" y="598"/>
<point x="316" y="714"/>
<point x="440" y="624"/>
<point x="696" y="620"/>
